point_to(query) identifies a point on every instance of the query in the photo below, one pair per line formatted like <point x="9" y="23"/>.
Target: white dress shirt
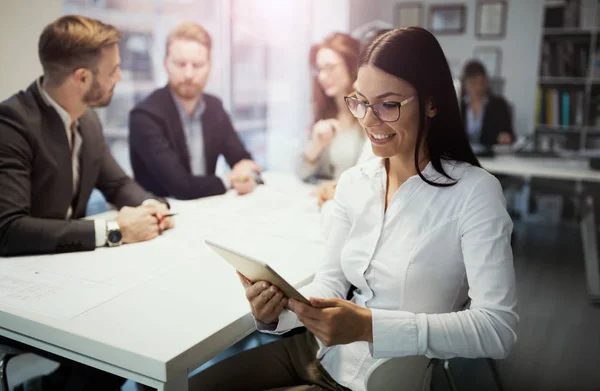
<point x="414" y="266"/>
<point x="327" y="207"/>
<point x="343" y="153"/>
<point x="99" y="224"/>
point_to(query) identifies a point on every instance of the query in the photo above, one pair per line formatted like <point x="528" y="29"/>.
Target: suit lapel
<point x="58" y="145"/>
<point x="86" y="159"/>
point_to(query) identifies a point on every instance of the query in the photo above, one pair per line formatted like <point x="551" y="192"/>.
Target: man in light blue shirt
<point x="178" y="132"/>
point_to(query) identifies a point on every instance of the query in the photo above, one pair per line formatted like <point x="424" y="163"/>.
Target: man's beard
<point x="96" y="97"/>
<point x="187" y="91"/>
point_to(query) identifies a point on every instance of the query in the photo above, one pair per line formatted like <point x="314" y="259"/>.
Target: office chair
<point x="491" y="364"/>
<point x="411" y="373"/>
<point x="6" y="353"/>
<point x="490" y="361"/>
<point x="414" y="373"/>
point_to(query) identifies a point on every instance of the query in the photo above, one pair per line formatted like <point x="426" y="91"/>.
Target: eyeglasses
<point x="385" y="111"/>
<point x="327" y="68"/>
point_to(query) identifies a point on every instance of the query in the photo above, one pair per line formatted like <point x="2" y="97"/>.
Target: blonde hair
<point x="72" y="42"/>
<point x="189" y="31"/>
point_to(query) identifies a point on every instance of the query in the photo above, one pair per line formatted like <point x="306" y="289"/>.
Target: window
<point x="260" y="65"/>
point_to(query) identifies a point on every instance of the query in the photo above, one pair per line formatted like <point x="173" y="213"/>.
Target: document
<point x="66" y="285"/>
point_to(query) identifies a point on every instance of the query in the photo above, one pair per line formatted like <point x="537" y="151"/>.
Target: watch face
<point x="114" y="236"/>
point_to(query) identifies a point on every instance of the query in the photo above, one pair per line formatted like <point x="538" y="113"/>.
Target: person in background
<point x="53" y="153"/>
<point x="177" y="133"/>
<point x="326" y="190"/>
<point x="419" y="231"/>
<point x="487" y="117"/>
<point x="488" y="121"/>
<point x="336" y="140"/>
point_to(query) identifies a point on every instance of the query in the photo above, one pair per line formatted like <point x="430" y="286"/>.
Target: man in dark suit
<point x="177" y="133"/>
<point x="52" y="150"/>
<point x="52" y="154"/>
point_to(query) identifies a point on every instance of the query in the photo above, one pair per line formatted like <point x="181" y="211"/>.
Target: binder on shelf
<point x="565" y="120"/>
<point x="579" y="109"/>
<point x="539" y="106"/>
<point x="555" y="108"/>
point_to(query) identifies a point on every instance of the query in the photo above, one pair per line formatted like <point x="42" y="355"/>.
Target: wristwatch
<point x="113" y="234"/>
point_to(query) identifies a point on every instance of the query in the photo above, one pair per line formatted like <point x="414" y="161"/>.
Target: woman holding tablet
<point x="417" y="231"/>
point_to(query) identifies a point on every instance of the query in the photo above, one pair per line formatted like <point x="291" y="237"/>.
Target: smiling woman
<point x="432" y="128"/>
<point x="418" y="232"/>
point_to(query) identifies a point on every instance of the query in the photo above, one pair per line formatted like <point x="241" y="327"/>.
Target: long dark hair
<point x="324" y="107"/>
<point x="414" y="55"/>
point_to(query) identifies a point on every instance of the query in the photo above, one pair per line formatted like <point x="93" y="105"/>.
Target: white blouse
<point x="343" y="153"/>
<point x="345" y="149"/>
<point x="415" y="265"/>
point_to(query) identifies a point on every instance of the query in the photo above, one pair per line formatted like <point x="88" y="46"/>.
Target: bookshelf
<point x="568" y="94"/>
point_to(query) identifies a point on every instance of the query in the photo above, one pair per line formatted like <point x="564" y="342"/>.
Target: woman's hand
<point x="326" y="192"/>
<point x="335" y="321"/>
<point x="323" y="133"/>
<point x="266" y="301"/>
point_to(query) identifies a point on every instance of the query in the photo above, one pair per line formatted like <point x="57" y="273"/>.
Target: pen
<point x="169" y="215"/>
<point x="258" y="178"/>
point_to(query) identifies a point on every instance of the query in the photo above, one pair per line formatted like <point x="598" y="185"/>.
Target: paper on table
<point x="50" y="294"/>
<point x="66" y="285"/>
<point x="105" y="265"/>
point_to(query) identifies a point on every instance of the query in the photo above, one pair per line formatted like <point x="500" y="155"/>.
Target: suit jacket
<point x="159" y="152"/>
<point x="37" y="181"/>
<point x="497" y="118"/>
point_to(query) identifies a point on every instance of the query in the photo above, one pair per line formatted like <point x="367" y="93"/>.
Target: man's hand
<point x="245" y="167"/>
<point x="504" y="138"/>
<point x="266" y="301"/>
<point x="241" y="177"/>
<point x="335" y="321"/>
<point x="164" y="223"/>
<point x="243" y="184"/>
<point x="141" y="223"/>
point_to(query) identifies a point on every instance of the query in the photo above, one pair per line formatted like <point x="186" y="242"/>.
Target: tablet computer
<point x="256" y="271"/>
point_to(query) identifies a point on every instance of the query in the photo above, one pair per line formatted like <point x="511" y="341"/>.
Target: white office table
<point x="155" y="311"/>
<point x="554" y="168"/>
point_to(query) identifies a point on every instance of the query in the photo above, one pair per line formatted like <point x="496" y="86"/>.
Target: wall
<point x="363" y="11"/>
<point x="295" y="26"/>
<point x="20" y="27"/>
<point x="520" y="47"/>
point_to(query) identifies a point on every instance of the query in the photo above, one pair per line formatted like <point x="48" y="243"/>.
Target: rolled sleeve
<point x="398" y="333"/>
